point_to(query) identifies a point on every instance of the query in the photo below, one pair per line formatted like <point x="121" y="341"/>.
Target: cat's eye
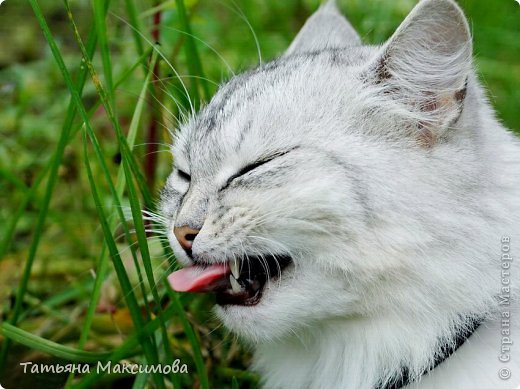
<point x="183" y="175"/>
<point x="249" y="168"/>
<point x="254" y="165"/>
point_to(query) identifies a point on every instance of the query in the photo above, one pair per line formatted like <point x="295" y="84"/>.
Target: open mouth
<point x="236" y="282"/>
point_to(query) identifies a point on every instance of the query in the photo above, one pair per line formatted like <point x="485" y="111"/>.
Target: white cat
<point x="354" y="209"/>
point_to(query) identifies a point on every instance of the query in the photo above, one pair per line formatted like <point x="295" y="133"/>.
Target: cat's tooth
<point x="233" y="265"/>
<point x="234" y="284"/>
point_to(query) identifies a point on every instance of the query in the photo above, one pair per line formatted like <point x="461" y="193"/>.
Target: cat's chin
<point x="257" y="322"/>
<point x="251" y="323"/>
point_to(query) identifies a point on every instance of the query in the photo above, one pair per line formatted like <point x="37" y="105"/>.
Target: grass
<point x="86" y="122"/>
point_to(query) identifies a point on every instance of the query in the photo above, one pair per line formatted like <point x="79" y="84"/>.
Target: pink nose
<point x="185" y="235"/>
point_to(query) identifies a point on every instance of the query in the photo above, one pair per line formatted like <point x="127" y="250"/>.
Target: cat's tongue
<point x="198" y="278"/>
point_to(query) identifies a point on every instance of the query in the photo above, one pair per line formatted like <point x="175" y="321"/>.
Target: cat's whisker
<point x="238" y="11"/>
<point x="183" y="115"/>
<point x="159" y="219"/>
<point x="155" y="223"/>
<point x="169" y="129"/>
<point x="152" y="143"/>
<point x="188" y="76"/>
<point x="273" y="254"/>
<point x="156" y="219"/>
<point x="157" y="152"/>
<point x="156" y="99"/>
<point x="215" y="329"/>
<point x="161" y="54"/>
<point x="155" y="272"/>
<point x="205" y="44"/>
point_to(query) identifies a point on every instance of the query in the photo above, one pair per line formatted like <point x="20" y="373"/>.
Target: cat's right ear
<point x="425" y="65"/>
<point x="325" y="29"/>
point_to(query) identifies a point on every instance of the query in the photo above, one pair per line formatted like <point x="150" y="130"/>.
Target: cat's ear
<point x="325" y="29"/>
<point x="426" y="64"/>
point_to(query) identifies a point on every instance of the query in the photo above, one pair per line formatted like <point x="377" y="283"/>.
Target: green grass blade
<point x="37" y="343"/>
<point x="140" y="229"/>
<point x="128" y="160"/>
<point x="78" y="291"/>
<point x="8" y="175"/>
<point x="101" y="28"/>
<point x="140" y="381"/>
<point x="192" y="55"/>
<point x="51" y="183"/>
<point x="133" y="19"/>
<point x="149" y="350"/>
<point x="192" y="337"/>
<point x="120" y="270"/>
<point x="120" y="185"/>
<point x="242" y="375"/>
<point x="116" y="193"/>
<point x="131" y="343"/>
<point x="34" y="302"/>
<point x="145" y="256"/>
<point x="125" y="148"/>
<point x="109" y="109"/>
<point x="13" y="221"/>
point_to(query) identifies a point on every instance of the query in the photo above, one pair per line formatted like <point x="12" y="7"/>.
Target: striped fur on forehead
<point x="206" y="133"/>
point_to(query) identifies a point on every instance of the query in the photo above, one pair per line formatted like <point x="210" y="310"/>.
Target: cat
<point x="355" y="210"/>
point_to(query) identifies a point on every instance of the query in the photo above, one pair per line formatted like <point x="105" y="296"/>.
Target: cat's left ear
<point x="325" y="29"/>
<point x="426" y="64"/>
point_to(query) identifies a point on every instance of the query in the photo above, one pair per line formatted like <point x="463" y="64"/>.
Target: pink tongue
<point x="197" y="278"/>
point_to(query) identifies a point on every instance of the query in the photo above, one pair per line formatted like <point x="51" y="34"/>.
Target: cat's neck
<point x="357" y="353"/>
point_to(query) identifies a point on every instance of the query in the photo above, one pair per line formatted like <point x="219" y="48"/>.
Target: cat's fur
<point x="392" y="199"/>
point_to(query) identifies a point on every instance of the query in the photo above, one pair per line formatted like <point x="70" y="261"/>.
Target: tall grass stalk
<point x="51" y="184"/>
<point x="192" y="56"/>
<point x="148" y="347"/>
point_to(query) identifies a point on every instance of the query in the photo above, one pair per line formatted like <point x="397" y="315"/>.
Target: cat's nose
<point x="185" y="235"/>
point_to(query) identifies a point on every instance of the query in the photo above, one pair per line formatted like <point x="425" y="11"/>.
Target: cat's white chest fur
<point x="477" y="365"/>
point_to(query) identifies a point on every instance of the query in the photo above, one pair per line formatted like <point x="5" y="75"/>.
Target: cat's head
<point x="301" y="172"/>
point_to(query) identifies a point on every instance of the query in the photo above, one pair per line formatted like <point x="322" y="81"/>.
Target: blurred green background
<point x="34" y="99"/>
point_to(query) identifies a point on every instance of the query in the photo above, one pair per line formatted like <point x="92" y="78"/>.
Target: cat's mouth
<point x="236" y="282"/>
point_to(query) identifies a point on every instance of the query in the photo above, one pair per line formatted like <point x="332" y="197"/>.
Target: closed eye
<point x="252" y="167"/>
<point x="183" y="175"/>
